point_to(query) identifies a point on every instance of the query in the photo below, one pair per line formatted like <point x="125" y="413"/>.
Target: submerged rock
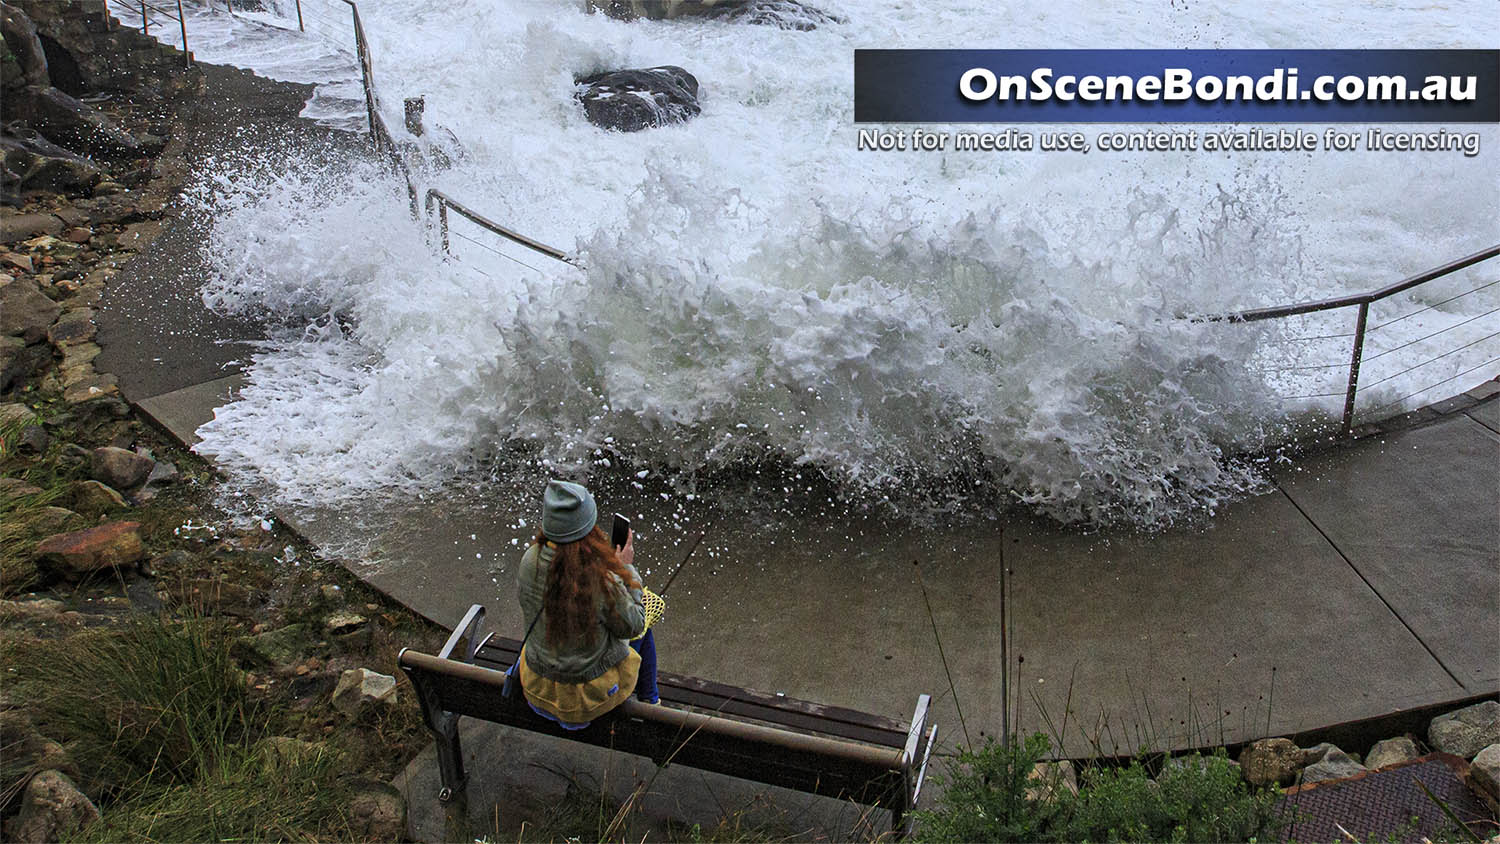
<point x="632" y="100"/>
<point x="786" y="14"/>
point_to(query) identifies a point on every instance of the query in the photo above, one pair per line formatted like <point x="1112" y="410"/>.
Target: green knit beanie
<point x="568" y="512"/>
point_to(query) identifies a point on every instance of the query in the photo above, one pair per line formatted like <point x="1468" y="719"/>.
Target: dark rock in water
<point x="786" y="14"/>
<point x="631" y="100"/>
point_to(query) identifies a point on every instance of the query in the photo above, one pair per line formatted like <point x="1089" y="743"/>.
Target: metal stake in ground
<point x="932" y="619"/>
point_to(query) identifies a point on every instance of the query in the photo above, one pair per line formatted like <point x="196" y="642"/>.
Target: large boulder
<point x="1270" y="761"/>
<point x="632" y="100"/>
<point x="1467" y="731"/>
<point x="784" y="14"/>
<point x="32" y="171"/>
<point x="82" y="552"/>
<point x="53" y="809"/>
<point x="72" y="123"/>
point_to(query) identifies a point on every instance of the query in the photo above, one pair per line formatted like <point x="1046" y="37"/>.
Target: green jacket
<point x="620" y="614"/>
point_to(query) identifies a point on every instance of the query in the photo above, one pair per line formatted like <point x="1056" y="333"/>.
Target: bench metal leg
<point x="450" y="756"/>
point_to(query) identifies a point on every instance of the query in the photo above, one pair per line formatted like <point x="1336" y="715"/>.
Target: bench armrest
<point x="468" y="628"/>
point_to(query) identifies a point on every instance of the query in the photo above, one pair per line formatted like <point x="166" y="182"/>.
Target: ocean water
<point x="969" y="330"/>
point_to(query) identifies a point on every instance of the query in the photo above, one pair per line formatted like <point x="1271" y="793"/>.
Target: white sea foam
<point x="758" y="289"/>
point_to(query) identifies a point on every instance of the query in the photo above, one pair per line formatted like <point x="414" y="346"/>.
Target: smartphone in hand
<point x="620" y="533"/>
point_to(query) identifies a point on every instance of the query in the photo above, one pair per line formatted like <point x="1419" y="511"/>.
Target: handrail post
<point x="1359" y="351"/>
<point x="145" y="22"/>
<point x="187" y="58"/>
<point x="300" y="27"/>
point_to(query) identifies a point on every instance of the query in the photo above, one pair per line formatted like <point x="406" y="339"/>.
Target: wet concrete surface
<point x="154" y="330"/>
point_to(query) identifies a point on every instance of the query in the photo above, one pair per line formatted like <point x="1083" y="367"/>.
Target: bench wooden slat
<point x="826" y="750"/>
<point x="682" y="690"/>
<point x="829" y="767"/>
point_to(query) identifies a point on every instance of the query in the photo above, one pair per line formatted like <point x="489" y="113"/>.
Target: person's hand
<point x="627" y="554"/>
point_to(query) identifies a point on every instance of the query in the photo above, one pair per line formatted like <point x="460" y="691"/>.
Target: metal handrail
<point x="1363" y="301"/>
<point x="187" y="58"/>
<point x="444" y="202"/>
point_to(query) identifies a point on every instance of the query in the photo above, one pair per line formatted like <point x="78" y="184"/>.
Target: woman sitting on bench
<point x="586" y="651"/>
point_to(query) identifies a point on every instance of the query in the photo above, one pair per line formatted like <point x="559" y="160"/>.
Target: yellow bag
<point x="580" y="703"/>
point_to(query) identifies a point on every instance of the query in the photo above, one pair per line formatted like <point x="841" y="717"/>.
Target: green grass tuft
<point x="156" y="702"/>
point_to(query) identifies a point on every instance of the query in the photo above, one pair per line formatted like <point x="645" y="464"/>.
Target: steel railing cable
<point x="1432" y="360"/>
<point x="1430" y="336"/>
<point x="488" y="248"/>
<point x="1435" y="305"/>
<point x="1489" y="362"/>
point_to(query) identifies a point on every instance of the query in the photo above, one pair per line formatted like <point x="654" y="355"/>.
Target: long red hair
<point x="580" y="573"/>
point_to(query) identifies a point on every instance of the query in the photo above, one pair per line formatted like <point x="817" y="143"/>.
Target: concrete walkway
<point x="1368" y="581"/>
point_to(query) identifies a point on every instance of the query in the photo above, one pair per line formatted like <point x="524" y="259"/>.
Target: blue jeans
<point x="645" y="686"/>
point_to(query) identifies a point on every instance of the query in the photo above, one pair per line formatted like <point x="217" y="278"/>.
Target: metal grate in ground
<point x="1387" y="804"/>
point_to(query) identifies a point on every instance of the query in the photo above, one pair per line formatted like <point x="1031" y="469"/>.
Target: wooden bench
<point x="773" y="739"/>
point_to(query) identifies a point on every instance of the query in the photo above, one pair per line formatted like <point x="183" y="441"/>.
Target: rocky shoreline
<point x="109" y="525"/>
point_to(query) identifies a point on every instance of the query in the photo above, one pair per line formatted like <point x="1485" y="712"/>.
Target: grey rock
<point x="632" y="100"/>
<point x="1330" y="764"/>
<point x="121" y="469"/>
<point x="344" y="622"/>
<point x="1270" y="761"/>
<point x="72" y="123"/>
<point x="1467" y="731"/>
<point x="94" y="498"/>
<point x="783" y="14"/>
<point x="25" y="310"/>
<point x="52" y="809"/>
<point x="361" y="688"/>
<point x="1390" y="752"/>
<point x="1319" y="752"/>
<point x="1484" y="775"/>
<point x="15" y="413"/>
<point x="21" y="226"/>
<point x="162" y="473"/>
